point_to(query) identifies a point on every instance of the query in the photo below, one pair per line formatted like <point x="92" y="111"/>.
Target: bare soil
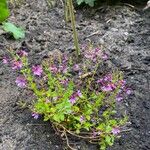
<point x="121" y="30"/>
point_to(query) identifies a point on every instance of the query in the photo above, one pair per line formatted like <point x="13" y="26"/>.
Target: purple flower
<point x="64" y="82"/>
<point x="21" y="82"/>
<point x="35" y="115"/>
<point x="119" y="98"/>
<point x="89" y="55"/>
<point x="17" y="65"/>
<point x="82" y="119"/>
<point x="63" y="69"/>
<point x="116" y="131"/>
<point x="97" y="50"/>
<point x="105" y="56"/>
<point x="37" y="70"/>
<point x="5" y="60"/>
<point x="84" y="47"/>
<point x="128" y="91"/>
<point x="122" y="83"/>
<point x="107" y="78"/>
<point x="76" y="67"/>
<point x="93" y="54"/>
<point x="65" y="58"/>
<point x="109" y="87"/>
<point x="22" y="53"/>
<point x="73" y="99"/>
<point x="79" y="94"/>
<point x="75" y="96"/>
<point x="100" y="81"/>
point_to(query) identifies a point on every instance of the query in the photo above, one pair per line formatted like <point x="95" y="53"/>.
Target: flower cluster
<point x="107" y="84"/>
<point x="74" y="97"/>
<point x="21" y="81"/>
<point x="58" y="69"/>
<point x="5" y="60"/>
<point x="95" y="54"/>
<point x="66" y="95"/>
<point x="37" y="70"/>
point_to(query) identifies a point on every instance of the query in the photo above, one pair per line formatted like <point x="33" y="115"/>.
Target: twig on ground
<point x="92" y="34"/>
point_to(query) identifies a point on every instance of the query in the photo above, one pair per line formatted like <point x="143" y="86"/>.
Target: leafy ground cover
<point x="129" y="52"/>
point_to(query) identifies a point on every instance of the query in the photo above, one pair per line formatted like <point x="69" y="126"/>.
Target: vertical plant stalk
<point x="66" y="10"/>
<point x="75" y="35"/>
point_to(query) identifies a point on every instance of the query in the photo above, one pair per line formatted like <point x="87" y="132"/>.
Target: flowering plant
<point x="77" y="99"/>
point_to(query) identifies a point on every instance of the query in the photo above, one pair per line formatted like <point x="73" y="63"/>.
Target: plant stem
<point x="75" y="36"/>
<point x="66" y="9"/>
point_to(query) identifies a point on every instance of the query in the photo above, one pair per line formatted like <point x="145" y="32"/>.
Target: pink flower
<point x="88" y="55"/>
<point x="37" y="70"/>
<point x="17" y="65"/>
<point x="35" y="115"/>
<point x="21" y="82"/>
<point x="22" y="53"/>
<point x="104" y="56"/>
<point x="122" y="83"/>
<point x="76" y="67"/>
<point x="64" y="82"/>
<point x="84" y="47"/>
<point x="116" y="131"/>
<point x="100" y="81"/>
<point x="63" y="69"/>
<point x="53" y="69"/>
<point x="5" y="60"/>
<point x="65" y="58"/>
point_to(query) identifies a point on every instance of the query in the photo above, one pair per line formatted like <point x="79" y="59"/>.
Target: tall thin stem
<point x="66" y="9"/>
<point x="75" y="35"/>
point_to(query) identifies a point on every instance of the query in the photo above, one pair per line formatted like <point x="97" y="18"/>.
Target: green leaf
<point x="89" y="2"/>
<point x="102" y="145"/>
<point x="113" y="122"/>
<point x="87" y="126"/>
<point x="108" y="129"/>
<point x="59" y="117"/>
<point x="17" y="32"/>
<point x="64" y="107"/>
<point x="4" y="11"/>
<point x="80" y="1"/>
<point x="108" y="140"/>
<point x="77" y="131"/>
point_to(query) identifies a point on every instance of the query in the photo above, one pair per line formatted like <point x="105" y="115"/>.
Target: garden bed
<point x="124" y="34"/>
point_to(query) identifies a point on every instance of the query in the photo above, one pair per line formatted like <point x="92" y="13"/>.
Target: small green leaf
<point x="102" y="145"/>
<point x="112" y="122"/>
<point x="4" y="11"/>
<point x="17" y="32"/>
<point x="108" y="129"/>
<point x="109" y="140"/>
<point x="59" y="117"/>
<point x="77" y="131"/>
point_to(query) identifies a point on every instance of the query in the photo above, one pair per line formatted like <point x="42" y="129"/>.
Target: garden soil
<point x="122" y="31"/>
